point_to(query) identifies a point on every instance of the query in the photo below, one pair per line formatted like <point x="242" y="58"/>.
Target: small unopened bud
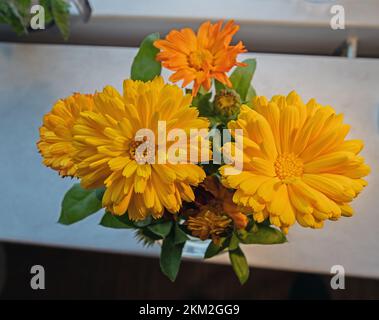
<point x="227" y="102"/>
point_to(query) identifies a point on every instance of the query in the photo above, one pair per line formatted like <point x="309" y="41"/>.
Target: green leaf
<point x="161" y="229"/>
<point x="100" y="193"/>
<point x="143" y="223"/>
<point x="239" y="264"/>
<point x="216" y="121"/>
<point x="234" y="242"/>
<point x="46" y="4"/>
<point x="61" y="14"/>
<point x="242" y="76"/>
<point x="202" y="90"/>
<point x="251" y="93"/>
<point x="213" y="250"/>
<point x="171" y="255"/>
<point x="110" y="220"/>
<point x="262" y="234"/>
<point x="23" y="9"/>
<point x="147" y="237"/>
<point x="218" y="86"/>
<point x="10" y="14"/>
<point x="203" y="104"/>
<point x="145" y="67"/>
<point x="79" y="203"/>
<point x="179" y="235"/>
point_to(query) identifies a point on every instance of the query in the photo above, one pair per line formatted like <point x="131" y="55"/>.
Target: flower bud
<point x="227" y="102"/>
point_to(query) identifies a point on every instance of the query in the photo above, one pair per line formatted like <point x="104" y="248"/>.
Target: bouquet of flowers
<point x="214" y="163"/>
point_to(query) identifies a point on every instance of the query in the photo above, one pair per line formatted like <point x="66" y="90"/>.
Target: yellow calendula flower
<point x="55" y="144"/>
<point x="200" y="57"/>
<point x="213" y="211"/>
<point x="297" y="164"/>
<point x="107" y="149"/>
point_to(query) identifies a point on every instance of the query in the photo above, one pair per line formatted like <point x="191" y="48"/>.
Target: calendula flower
<point x="222" y="199"/>
<point x="208" y="224"/>
<point x="200" y="57"/>
<point x="55" y="144"/>
<point x="213" y="211"/>
<point x="297" y="164"/>
<point x="107" y="150"/>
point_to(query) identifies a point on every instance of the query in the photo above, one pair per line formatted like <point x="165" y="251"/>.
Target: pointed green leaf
<point x="146" y="236"/>
<point x="171" y="255"/>
<point x="161" y="229"/>
<point x="110" y="220"/>
<point x="239" y="264"/>
<point x="213" y="250"/>
<point x="262" y="234"/>
<point x="179" y="235"/>
<point x="242" y="76"/>
<point x="79" y="203"/>
<point x="145" y="67"/>
<point x="234" y="242"/>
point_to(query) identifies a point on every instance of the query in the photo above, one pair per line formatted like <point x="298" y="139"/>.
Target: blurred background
<point x="322" y="48"/>
<point x="280" y="26"/>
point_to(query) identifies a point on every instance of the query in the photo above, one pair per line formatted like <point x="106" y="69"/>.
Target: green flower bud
<point x="227" y="102"/>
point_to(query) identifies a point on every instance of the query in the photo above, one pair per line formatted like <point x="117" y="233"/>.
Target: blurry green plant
<point x="16" y="14"/>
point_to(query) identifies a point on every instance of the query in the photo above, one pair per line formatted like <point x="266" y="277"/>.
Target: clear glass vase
<point x="195" y="248"/>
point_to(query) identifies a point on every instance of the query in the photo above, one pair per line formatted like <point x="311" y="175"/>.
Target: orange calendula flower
<point x="224" y="198"/>
<point x="55" y="144"/>
<point x="297" y="163"/>
<point x="200" y="57"/>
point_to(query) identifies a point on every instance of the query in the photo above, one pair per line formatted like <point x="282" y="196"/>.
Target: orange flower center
<point x="140" y="155"/>
<point x="288" y="165"/>
<point x="200" y="59"/>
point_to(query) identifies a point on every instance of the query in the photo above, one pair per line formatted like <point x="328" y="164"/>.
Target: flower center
<point x="226" y="102"/>
<point x="288" y="165"/>
<point x="200" y="59"/>
<point x="141" y="155"/>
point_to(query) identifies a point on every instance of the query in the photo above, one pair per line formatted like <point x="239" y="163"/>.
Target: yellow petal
<point x="328" y="162"/>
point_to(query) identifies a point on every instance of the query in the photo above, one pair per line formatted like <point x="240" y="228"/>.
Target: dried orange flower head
<point x="200" y="57"/>
<point x="214" y="211"/>
<point x="224" y="198"/>
<point x="208" y="224"/>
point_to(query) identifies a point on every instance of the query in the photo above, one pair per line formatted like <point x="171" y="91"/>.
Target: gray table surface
<point x="32" y="77"/>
